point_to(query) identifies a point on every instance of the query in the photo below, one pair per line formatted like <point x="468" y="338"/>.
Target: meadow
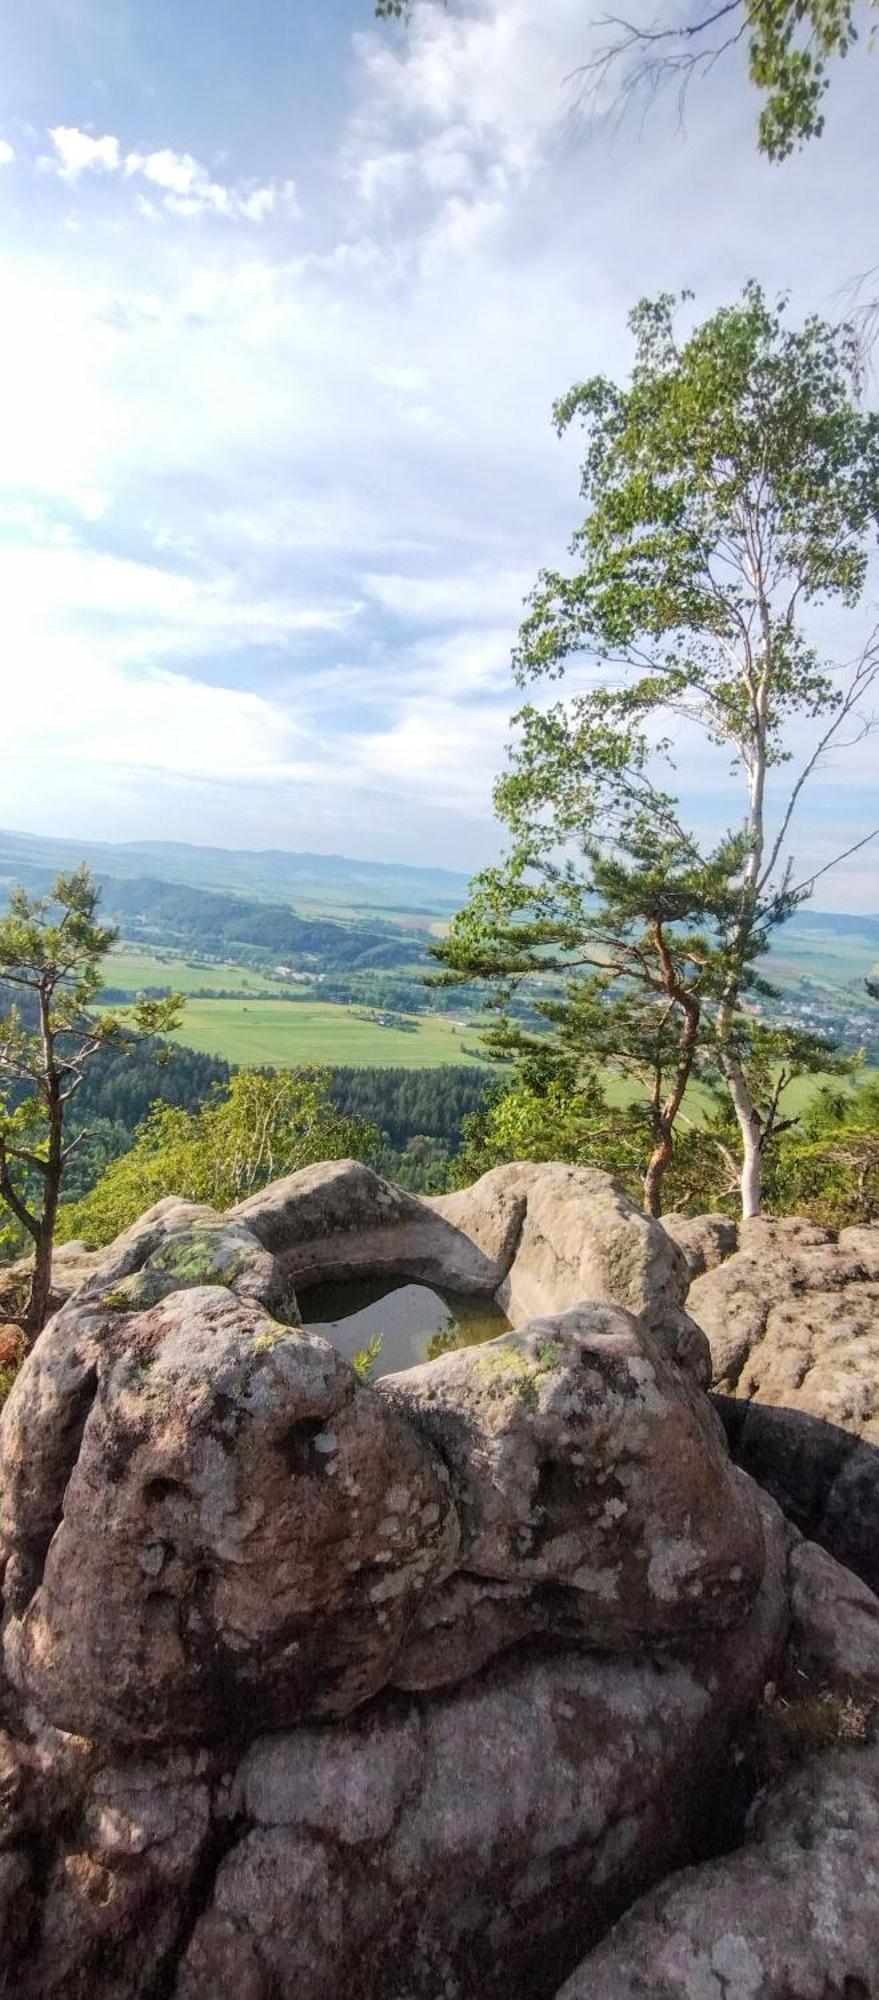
<point x="132" y="969"/>
<point x="285" y="1033"/>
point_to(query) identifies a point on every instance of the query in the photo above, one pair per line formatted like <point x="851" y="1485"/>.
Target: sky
<point x="286" y="296"/>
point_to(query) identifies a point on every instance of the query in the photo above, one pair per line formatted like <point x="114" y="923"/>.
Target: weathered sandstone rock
<point x="589" y="1472"/>
<point x="793" y="1318"/>
<point x="208" y="1525"/>
<point x="706" y="1240"/>
<point x="834" y="1636"/>
<point x="406" y="1692"/>
<point x="471" y="1845"/>
<point x="342" y="1220"/>
<point x="580" y="1237"/>
<point x="793" y="1916"/>
<point x="456" y="1847"/>
<point x="245" y="1532"/>
<point x="793" y="1324"/>
<point x="541" y="1238"/>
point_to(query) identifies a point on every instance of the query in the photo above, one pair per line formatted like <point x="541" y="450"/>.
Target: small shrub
<point x="367" y="1358"/>
<point x="13" y="1349"/>
<point x="791" y="1726"/>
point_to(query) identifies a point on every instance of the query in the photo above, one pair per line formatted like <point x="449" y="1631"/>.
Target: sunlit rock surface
<point x="313" y="1687"/>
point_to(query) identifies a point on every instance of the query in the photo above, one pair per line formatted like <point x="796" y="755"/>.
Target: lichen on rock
<point x="311" y="1686"/>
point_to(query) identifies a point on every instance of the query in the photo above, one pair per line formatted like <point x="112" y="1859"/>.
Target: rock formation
<point x="766" y="1923"/>
<point x="792" y="1318"/>
<point x="312" y="1687"/>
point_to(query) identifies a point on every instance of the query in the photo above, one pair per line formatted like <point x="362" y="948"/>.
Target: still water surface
<point x="413" y="1322"/>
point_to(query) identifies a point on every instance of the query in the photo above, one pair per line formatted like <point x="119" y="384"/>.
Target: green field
<point x="133" y="969"/>
<point x="836" y="965"/>
<point x="698" y="1103"/>
<point x="285" y="1033"/>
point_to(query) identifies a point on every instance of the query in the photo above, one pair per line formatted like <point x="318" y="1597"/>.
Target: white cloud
<point x="274" y="514"/>
<point x="7" y="153"/>
<point x="460" y="118"/>
<point x="186" y="187"/>
<point x="78" y="153"/>
<point x="177" y="173"/>
<point x="473" y="593"/>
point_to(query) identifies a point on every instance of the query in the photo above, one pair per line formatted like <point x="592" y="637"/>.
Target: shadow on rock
<point x="824" y="1479"/>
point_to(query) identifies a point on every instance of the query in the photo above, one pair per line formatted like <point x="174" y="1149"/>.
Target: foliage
<point x="732" y="486"/>
<point x="411" y="1103"/>
<point x="367" y="1358"/>
<point x="791" y="46"/>
<point x="13" y="1349"/>
<point x="422" y="1165"/>
<point x="171" y="912"/>
<point x="121" y="1085"/>
<point x="548" y="1116"/>
<point x="823" y="1164"/>
<point x="626" y="913"/>
<point x="51" y="953"/>
<point x="261" y="1127"/>
<point x="828" y="1167"/>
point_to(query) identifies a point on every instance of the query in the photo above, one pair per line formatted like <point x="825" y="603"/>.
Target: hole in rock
<point x="161" y="1610"/>
<point x="159" y="1489"/>
<point x="296" y="1444"/>
<point x="559" y="1502"/>
<point x="413" y="1322"/>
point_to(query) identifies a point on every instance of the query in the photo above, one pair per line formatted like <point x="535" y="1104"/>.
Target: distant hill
<point x="174" y="913"/>
<point x="214" y="897"/>
<point x="314" y="881"/>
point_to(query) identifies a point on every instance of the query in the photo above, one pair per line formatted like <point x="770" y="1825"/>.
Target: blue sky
<point x="285" y="299"/>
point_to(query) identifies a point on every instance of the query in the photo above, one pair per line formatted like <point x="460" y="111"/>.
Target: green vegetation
<point x="732" y="483"/>
<point x="284" y="1035"/>
<point x="828" y="1167"/>
<point x="51" y="953"/>
<point x="823" y="1161"/>
<point x="367" y="1358"/>
<point x="134" y="971"/>
<point x="260" y="1128"/>
<point x="791" y="46"/>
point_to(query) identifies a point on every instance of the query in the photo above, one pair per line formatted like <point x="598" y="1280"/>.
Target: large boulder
<point x="833" y="1644"/>
<point x="244" y="1531"/>
<point x="578" y="1236"/>
<point x="793" y="1319"/>
<point x="793" y="1324"/>
<point x="208" y="1523"/>
<point x="341" y="1220"/>
<point x="312" y="1687"/>
<point x="706" y="1240"/>
<point x="826" y="1479"/>
<point x="455" y="1848"/>
<point x="593" y="1490"/>
<point x="794" y="1915"/>
<point x="468" y="1846"/>
<point x="540" y="1238"/>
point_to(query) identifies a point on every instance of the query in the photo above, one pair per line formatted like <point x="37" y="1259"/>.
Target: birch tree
<point x="731" y="494"/>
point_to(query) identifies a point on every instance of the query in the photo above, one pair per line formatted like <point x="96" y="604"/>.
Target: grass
<point x="133" y="970"/>
<point x="698" y="1103"/>
<point x="838" y="965"/>
<point x="286" y="1034"/>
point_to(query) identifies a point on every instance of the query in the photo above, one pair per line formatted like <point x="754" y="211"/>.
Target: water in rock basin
<point x="413" y="1322"/>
